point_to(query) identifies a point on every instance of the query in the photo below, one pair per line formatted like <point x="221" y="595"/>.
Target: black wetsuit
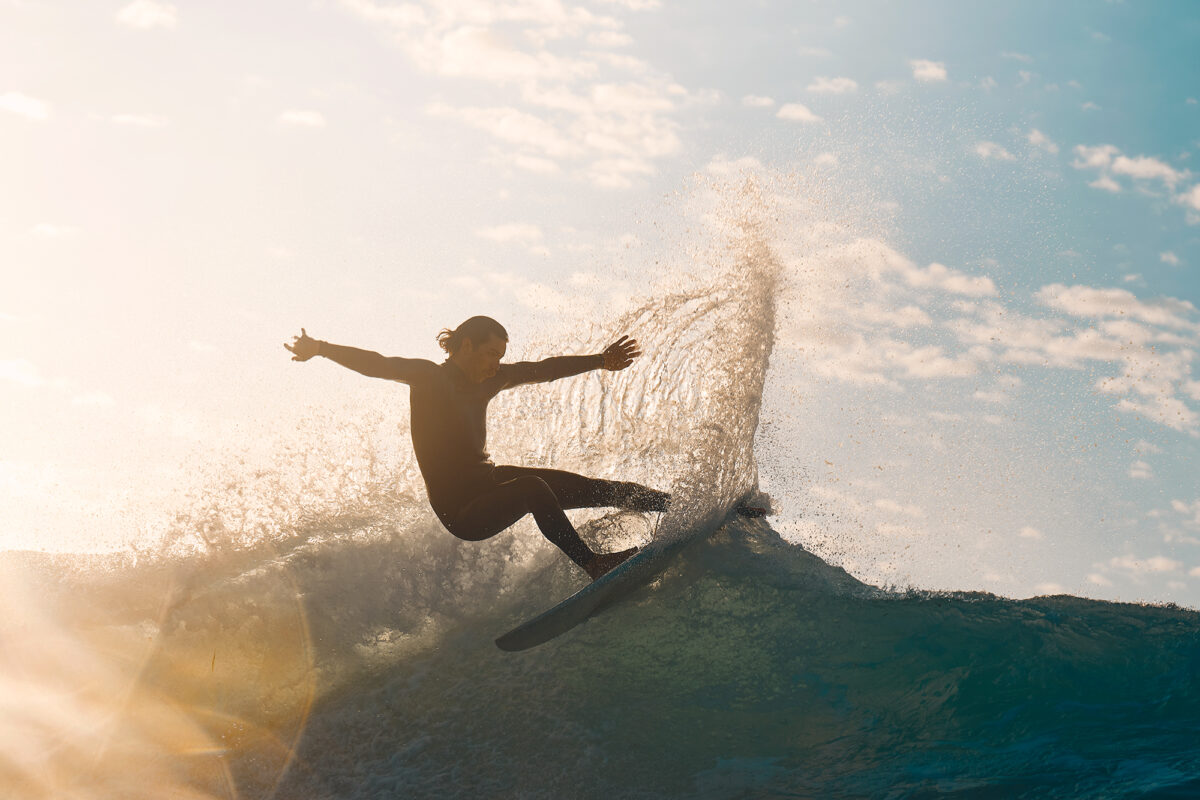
<point x="474" y="498"/>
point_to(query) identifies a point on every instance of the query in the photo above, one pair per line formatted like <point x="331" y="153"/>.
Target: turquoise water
<point x="752" y="669"/>
<point x="749" y="669"/>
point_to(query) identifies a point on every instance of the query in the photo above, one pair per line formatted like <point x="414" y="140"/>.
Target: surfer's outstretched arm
<point x="365" y="362"/>
<point x="617" y="356"/>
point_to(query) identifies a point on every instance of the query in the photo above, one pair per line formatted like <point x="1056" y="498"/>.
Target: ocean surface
<point x="305" y="629"/>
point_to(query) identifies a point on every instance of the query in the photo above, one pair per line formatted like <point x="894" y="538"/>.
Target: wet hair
<point x="477" y="329"/>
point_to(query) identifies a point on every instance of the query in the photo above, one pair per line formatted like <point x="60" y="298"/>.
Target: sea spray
<point x="303" y="579"/>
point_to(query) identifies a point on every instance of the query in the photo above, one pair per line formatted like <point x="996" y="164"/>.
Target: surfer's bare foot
<point x="605" y="562"/>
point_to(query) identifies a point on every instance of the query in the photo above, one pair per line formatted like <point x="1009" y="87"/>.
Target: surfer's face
<point x="481" y="363"/>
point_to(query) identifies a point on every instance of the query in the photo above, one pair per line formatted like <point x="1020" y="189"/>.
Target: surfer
<point x="474" y="498"/>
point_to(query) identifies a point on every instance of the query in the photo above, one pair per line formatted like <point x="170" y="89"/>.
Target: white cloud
<point x="473" y="51"/>
<point x="1110" y="163"/>
<point x="929" y="361"/>
<point x="999" y="398"/>
<point x="1190" y="198"/>
<point x="1191" y="510"/>
<point x="1142" y="566"/>
<point x="1098" y="157"/>
<point x="823" y="85"/>
<point x="813" y="52"/>
<point x="988" y="83"/>
<point x="756" y="101"/>
<point x="892" y="507"/>
<point x="1088" y="301"/>
<point x="609" y="39"/>
<point x="928" y="71"/>
<point x="139" y="120"/>
<point x="721" y="165"/>
<point x="1145" y="168"/>
<point x="1150" y="345"/>
<point x="797" y="112"/>
<point x="20" y="372"/>
<point x="993" y="150"/>
<point x="1041" y="141"/>
<point x="529" y="163"/>
<point x="1141" y="470"/>
<point x="941" y="277"/>
<point x="1030" y="533"/>
<point x="1090" y="106"/>
<point x="93" y="398"/>
<point x="636" y="5"/>
<point x="515" y="127"/>
<point x="25" y="106"/>
<point x="524" y="233"/>
<point x="610" y="113"/>
<point x="617" y="173"/>
<point x="1169" y="257"/>
<point x="826" y="160"/>
<point x="867" y="297"/>
<point x="1169" y="411"/>
<point x="302" y="119"/>
<point x="903" y="531"/>
<point x="1143" y="446"/>
<point x="45" y="230"/>
<point x="875" y="259"/>
<point x="147" y="14"/>
<point x="1022" y="57"/>
<point x="166" y="422"/>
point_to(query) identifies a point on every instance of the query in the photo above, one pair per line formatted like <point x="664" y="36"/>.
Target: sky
<point x="990" y="214"/>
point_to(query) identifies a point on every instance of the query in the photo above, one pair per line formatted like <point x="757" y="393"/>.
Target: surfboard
<point x="638" y="570"/>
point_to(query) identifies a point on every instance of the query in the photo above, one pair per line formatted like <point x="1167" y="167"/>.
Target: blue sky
<point x="1013" y="188"/>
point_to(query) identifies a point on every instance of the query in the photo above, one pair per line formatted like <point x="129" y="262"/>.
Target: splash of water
<point x="281" y="584"/>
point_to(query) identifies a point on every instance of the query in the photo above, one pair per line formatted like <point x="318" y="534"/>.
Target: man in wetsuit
<point x="474" y="498"/>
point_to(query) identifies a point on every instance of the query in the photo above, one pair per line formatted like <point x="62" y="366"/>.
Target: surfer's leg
<point x="497" y="509"/>
<point x="578" y="491"/>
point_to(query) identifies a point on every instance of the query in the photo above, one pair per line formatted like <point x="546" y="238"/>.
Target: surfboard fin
<point x="753" y="512"/>
<point x="754" y="505"/>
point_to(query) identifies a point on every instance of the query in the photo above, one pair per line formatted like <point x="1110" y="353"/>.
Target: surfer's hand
<point x="303" y="347"/>
<point x="621" y="353"/>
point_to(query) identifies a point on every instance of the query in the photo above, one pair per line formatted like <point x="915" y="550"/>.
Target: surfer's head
<point x="476" y="346"/>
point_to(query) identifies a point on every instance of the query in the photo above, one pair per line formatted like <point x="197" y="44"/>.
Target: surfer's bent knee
<point x="535" y="492"/>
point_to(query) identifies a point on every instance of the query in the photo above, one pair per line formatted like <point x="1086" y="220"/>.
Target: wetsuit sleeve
<point x="373" y="365"/>
<point x="550" y="369"/>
